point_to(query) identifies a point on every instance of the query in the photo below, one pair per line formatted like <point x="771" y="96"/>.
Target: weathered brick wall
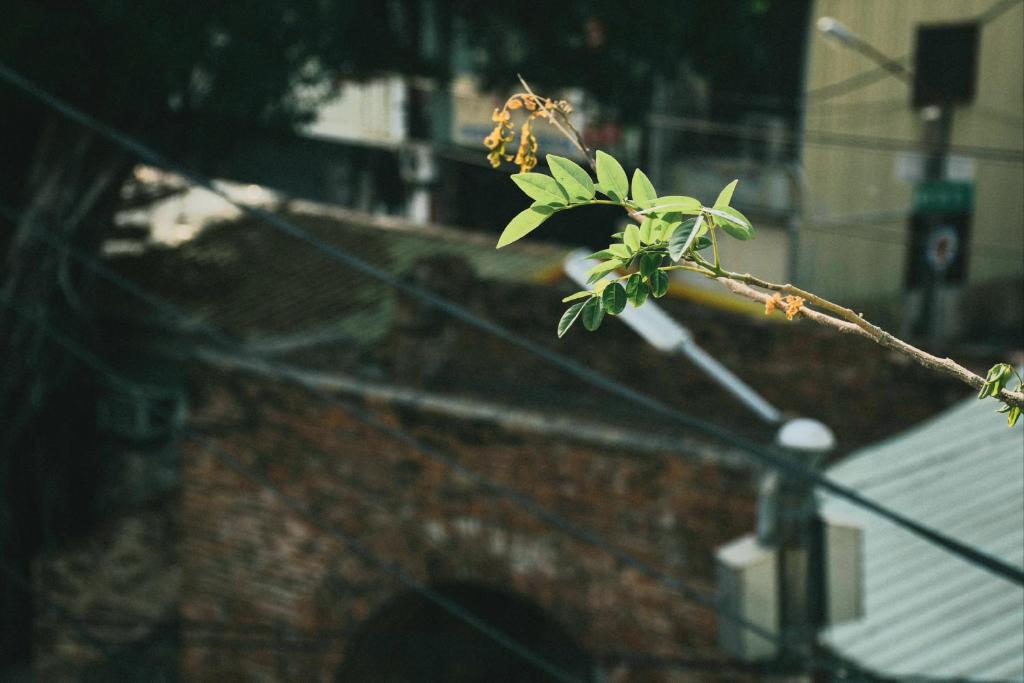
<point x="250" y="561"/>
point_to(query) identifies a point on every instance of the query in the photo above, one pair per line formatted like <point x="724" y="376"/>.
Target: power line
<point x="357" y="547"/>
<point x="581" y="533"/>
<point x="293" y="374"/>
<point x="823" y="138"/>
<point x="293" y="504"/>
<point x="859" y="80"/>
<point x="767" y="456"/>
<point x="521" y="500"/>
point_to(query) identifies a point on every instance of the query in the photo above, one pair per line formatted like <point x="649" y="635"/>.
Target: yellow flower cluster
<point x="791" y="304"/>
<point x="498" y="140"/>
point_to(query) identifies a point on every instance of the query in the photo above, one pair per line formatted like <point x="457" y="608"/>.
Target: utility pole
<point x="944" y="74"/>
<point x="788" y="522"/>
<point x="938" y="127"/>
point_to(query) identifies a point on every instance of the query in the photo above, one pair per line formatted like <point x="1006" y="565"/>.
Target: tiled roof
<point x="928" y="613"/>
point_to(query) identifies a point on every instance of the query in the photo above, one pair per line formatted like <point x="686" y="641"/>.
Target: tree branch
<point x="868" y="331"/>
<point x="843" y="319"/>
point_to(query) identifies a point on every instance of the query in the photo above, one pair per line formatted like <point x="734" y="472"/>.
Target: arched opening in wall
<point x="411" y="638"/>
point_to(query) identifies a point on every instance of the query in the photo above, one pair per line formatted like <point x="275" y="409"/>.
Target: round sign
<point x="942" y="246"/>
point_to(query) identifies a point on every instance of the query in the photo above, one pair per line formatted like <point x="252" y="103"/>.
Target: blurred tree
<point x="186" y="79"/>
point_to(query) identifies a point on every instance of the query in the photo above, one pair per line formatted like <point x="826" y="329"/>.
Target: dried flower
<point x="503" y="134"/>
<point x="791" y="305"/>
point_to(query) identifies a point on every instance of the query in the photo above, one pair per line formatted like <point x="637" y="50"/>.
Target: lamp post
<point x="938" y="124"/>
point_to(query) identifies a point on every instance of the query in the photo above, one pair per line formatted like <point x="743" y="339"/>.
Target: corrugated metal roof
<point x="927" y="612"/>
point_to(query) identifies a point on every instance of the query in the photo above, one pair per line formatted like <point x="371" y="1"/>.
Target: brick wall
<point x="249" y="560"/>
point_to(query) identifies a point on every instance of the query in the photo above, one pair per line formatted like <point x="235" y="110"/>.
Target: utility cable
<point x="766" y="456"/>
<point x="296" y="506"/>
<point x="283" y="371"/>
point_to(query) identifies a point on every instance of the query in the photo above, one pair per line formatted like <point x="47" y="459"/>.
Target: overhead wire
<point x="291" y="373"/>
<point x="766" y="456"/>
<point x="352" y="543"/>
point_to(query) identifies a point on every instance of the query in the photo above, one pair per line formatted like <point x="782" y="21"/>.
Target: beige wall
<point x="864" y="258"/>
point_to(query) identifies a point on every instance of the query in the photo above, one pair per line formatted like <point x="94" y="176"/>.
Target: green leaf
<point x="643" y="192"/>
<point x="683" y="238"/>
<point x="523" y="224"/>
<point x="614" y="298"/>
<point x="611" y="177"/>
<point x="675" y="204"/>
<point x="577" y="295"/>
<point x="631" y="237"/>
<point x="574" y="180"/>
<point x="647" y="230"/>
<point x="602" y="268"/>
<point x="1013" y="416"/>
<point x="725" y="196"/>
<point x="733" y="222"/>
<point x="702" y="243"/>
<point x="541" y="188"/>
<point x="636" y="289"/>
<point x="649" y="264"/>
<point x="659" y="284"/>
<point x="568" y="318"/>
<point x="667" y="227"/>
<point x="593" y="314"/>
<point x="602" y="255"/>
<point x="616" y="235"/>
<point x="620" y="251"/>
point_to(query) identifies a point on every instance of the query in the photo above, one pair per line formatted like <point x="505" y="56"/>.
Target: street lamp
<point x="937" y="116"/>
<point x="840" y="33"/>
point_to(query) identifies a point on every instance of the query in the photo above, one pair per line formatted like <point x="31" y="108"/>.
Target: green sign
<point x="944" y="196"/>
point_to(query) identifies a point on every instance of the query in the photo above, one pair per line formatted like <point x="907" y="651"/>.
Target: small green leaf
<point x="667" y="227"/>
<point x="675" y="204"/>
<point x="631" y="237"/>
<point x="541" y="188"/>
<point x="702" y="243"/>
<point x="643" y="192"/>
<point x="612" y="178"/>
<point x="568" y="318"/>
<point x="616" y="235"/>
<point x="659" y="284"/>
<point x="1013" y="416"/>
<point x="683" y="238"/>
<point x="733" y="222"/>
<point x="523" y="224"/>
<point x="725" y="196"/>
<point x="614" y="298"/>
<point x="647" y="230"/>
<point x="593" y="314"/>
<point x="649" y="264"/>
<point x="636" y="289"/>
<point x="620" y="251"/>
<point x="574" y="180"/>
<point x="602" y="255"/>
<point x="602" y="268"/>
<point x="577" y="295"/>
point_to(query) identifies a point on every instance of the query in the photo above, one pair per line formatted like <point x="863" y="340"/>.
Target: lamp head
<point x="836" y="30"/>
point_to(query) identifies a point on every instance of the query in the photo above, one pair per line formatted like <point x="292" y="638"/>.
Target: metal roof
<point x="928" y="613"/>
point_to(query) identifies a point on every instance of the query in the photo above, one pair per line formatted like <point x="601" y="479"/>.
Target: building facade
<point x="874" y="210"/>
